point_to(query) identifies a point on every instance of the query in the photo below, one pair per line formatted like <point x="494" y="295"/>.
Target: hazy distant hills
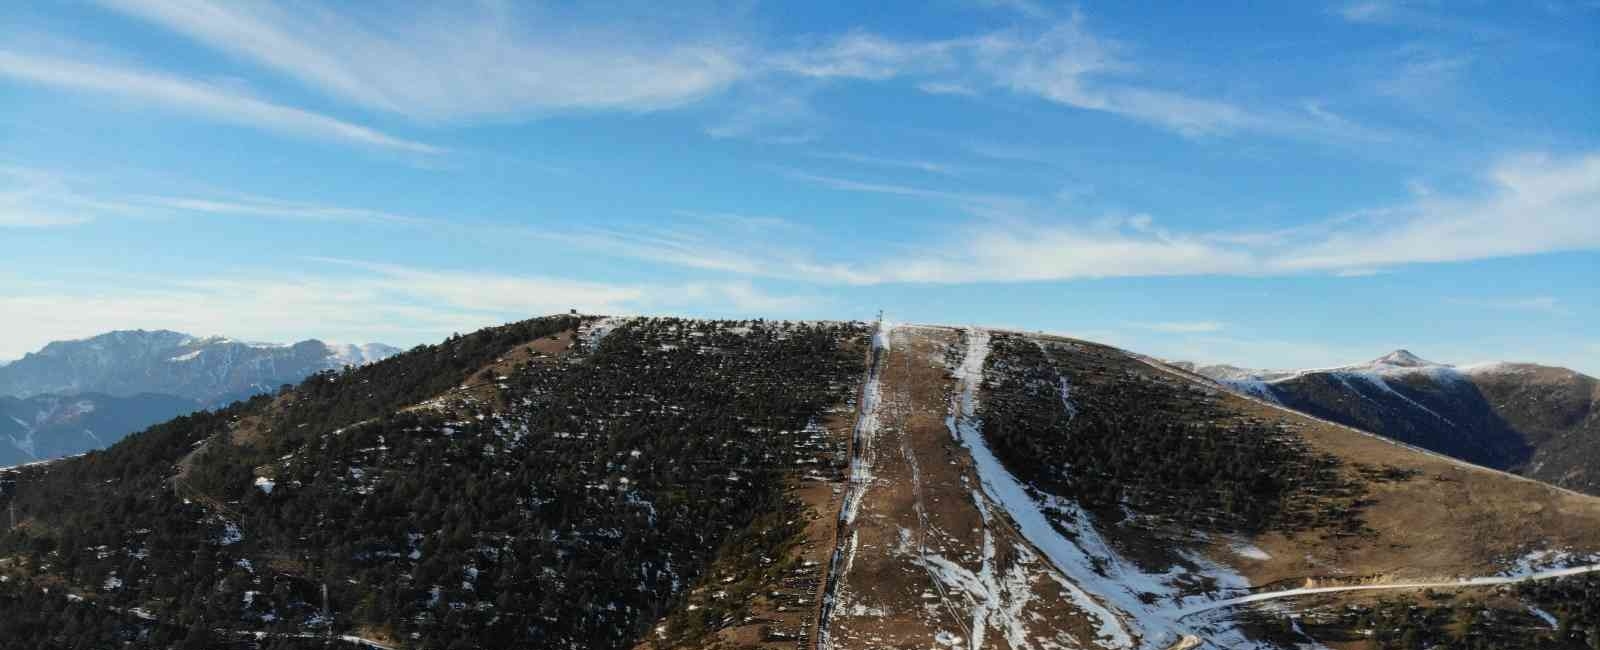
<point x="1539" y="421"/>
<point x="51" y="426"/>
<point x="73" y="396"/>
<point x="210" y="370"/>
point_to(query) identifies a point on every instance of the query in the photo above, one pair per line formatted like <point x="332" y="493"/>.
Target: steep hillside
<point x="1538" y="421"/>
<point x="504" y="488"/>
<point x="582" y="482"/>
<point x="1033" y="492"/>
<point x="212" y="370"/>
<point x="49" y="426"/>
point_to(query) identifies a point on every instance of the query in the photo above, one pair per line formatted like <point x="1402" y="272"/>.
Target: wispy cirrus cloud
<point x="975" y="202"/>
<point x="485" y="60"/>
<point x="1527" y="204"/>
<point x="1417" y="15"/>
<point x="275" y="209"/>
<point x="928" y="166"/>
<point x="200" y="98"/>
<point x="1063" y="62"/>
<point x="35" y="198"/>
<point x="491" y="61"/>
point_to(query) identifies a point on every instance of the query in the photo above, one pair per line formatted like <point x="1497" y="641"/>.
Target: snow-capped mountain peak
<point x="1402" y="359"/>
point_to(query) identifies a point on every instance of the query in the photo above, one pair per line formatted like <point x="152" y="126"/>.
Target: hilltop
<point x="590" y="482"/>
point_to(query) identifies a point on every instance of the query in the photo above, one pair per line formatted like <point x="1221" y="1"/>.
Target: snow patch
<point x="1133" y="608"/>
<point x="1250" y="551"/>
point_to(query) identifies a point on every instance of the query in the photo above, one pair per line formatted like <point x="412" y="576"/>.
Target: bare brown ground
<point x="484" y="384"/>
<point x="918" y="574"/>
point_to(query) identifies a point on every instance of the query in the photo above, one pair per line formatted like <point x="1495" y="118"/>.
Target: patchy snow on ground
<point x="866" y="429"/>
<point x="1524" y="572"/>
<point x="230" y="534"/>
<point x="1544" y="616"/>
<point x="1253" y="387"/>
<point x="1133" y="608"/>
<point x="1249" y="551"/>
<point x="862" y="455"/>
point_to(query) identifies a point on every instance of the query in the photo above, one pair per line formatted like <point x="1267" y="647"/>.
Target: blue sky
<point x="1288" y="185"/>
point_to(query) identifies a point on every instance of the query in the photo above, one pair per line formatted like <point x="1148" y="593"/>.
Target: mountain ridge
<point x="213" y="369"/>
<point x="1535" y="420"/>
<point x="657" y="483"/>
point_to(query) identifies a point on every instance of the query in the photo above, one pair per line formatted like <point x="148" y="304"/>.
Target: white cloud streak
<point x="196" y="97"/>
<point x="31" y="198"/>
<point x="1064" y="63"/>
<point x="1529" y="204"/>
<point x="476" y="61"/>
<point x="1532" y="204"/>
<point x="492" y="61"/>
<point x="274" y="209"/>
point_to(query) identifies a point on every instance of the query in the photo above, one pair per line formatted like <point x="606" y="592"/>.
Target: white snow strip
<point x="1484" y="581"/>
<point x="1003" y="488"/>
<point x="1250" y="551"/>
<point x="1377" y="381"/>
<point x="862" y="457"/>
<point x="1545" y="616"/>
<point x="1134" y="608"/>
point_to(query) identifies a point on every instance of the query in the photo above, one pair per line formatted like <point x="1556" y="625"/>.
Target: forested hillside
<point x="671" y="484"/>
<point x="566" y="498"/>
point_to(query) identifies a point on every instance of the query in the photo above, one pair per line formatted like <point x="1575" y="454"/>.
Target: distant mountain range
<point x="212" y="370"/>
<point x="1539" y="421"/>
<point x="73" y="396"/>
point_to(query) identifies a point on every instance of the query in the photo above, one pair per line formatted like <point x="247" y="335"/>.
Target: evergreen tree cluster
<point x="1083" y="427"/>
<point x="574" y="510"/>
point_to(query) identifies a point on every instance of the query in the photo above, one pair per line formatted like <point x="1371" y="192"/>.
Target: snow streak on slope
<point x="1163" y="367"/>
<point x="862" y="454"/>
<point x="1486" y="581"/>
<point x="1134" y="608"/>
<point x="999" y="594"/>
<point x="864" y="451"/>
